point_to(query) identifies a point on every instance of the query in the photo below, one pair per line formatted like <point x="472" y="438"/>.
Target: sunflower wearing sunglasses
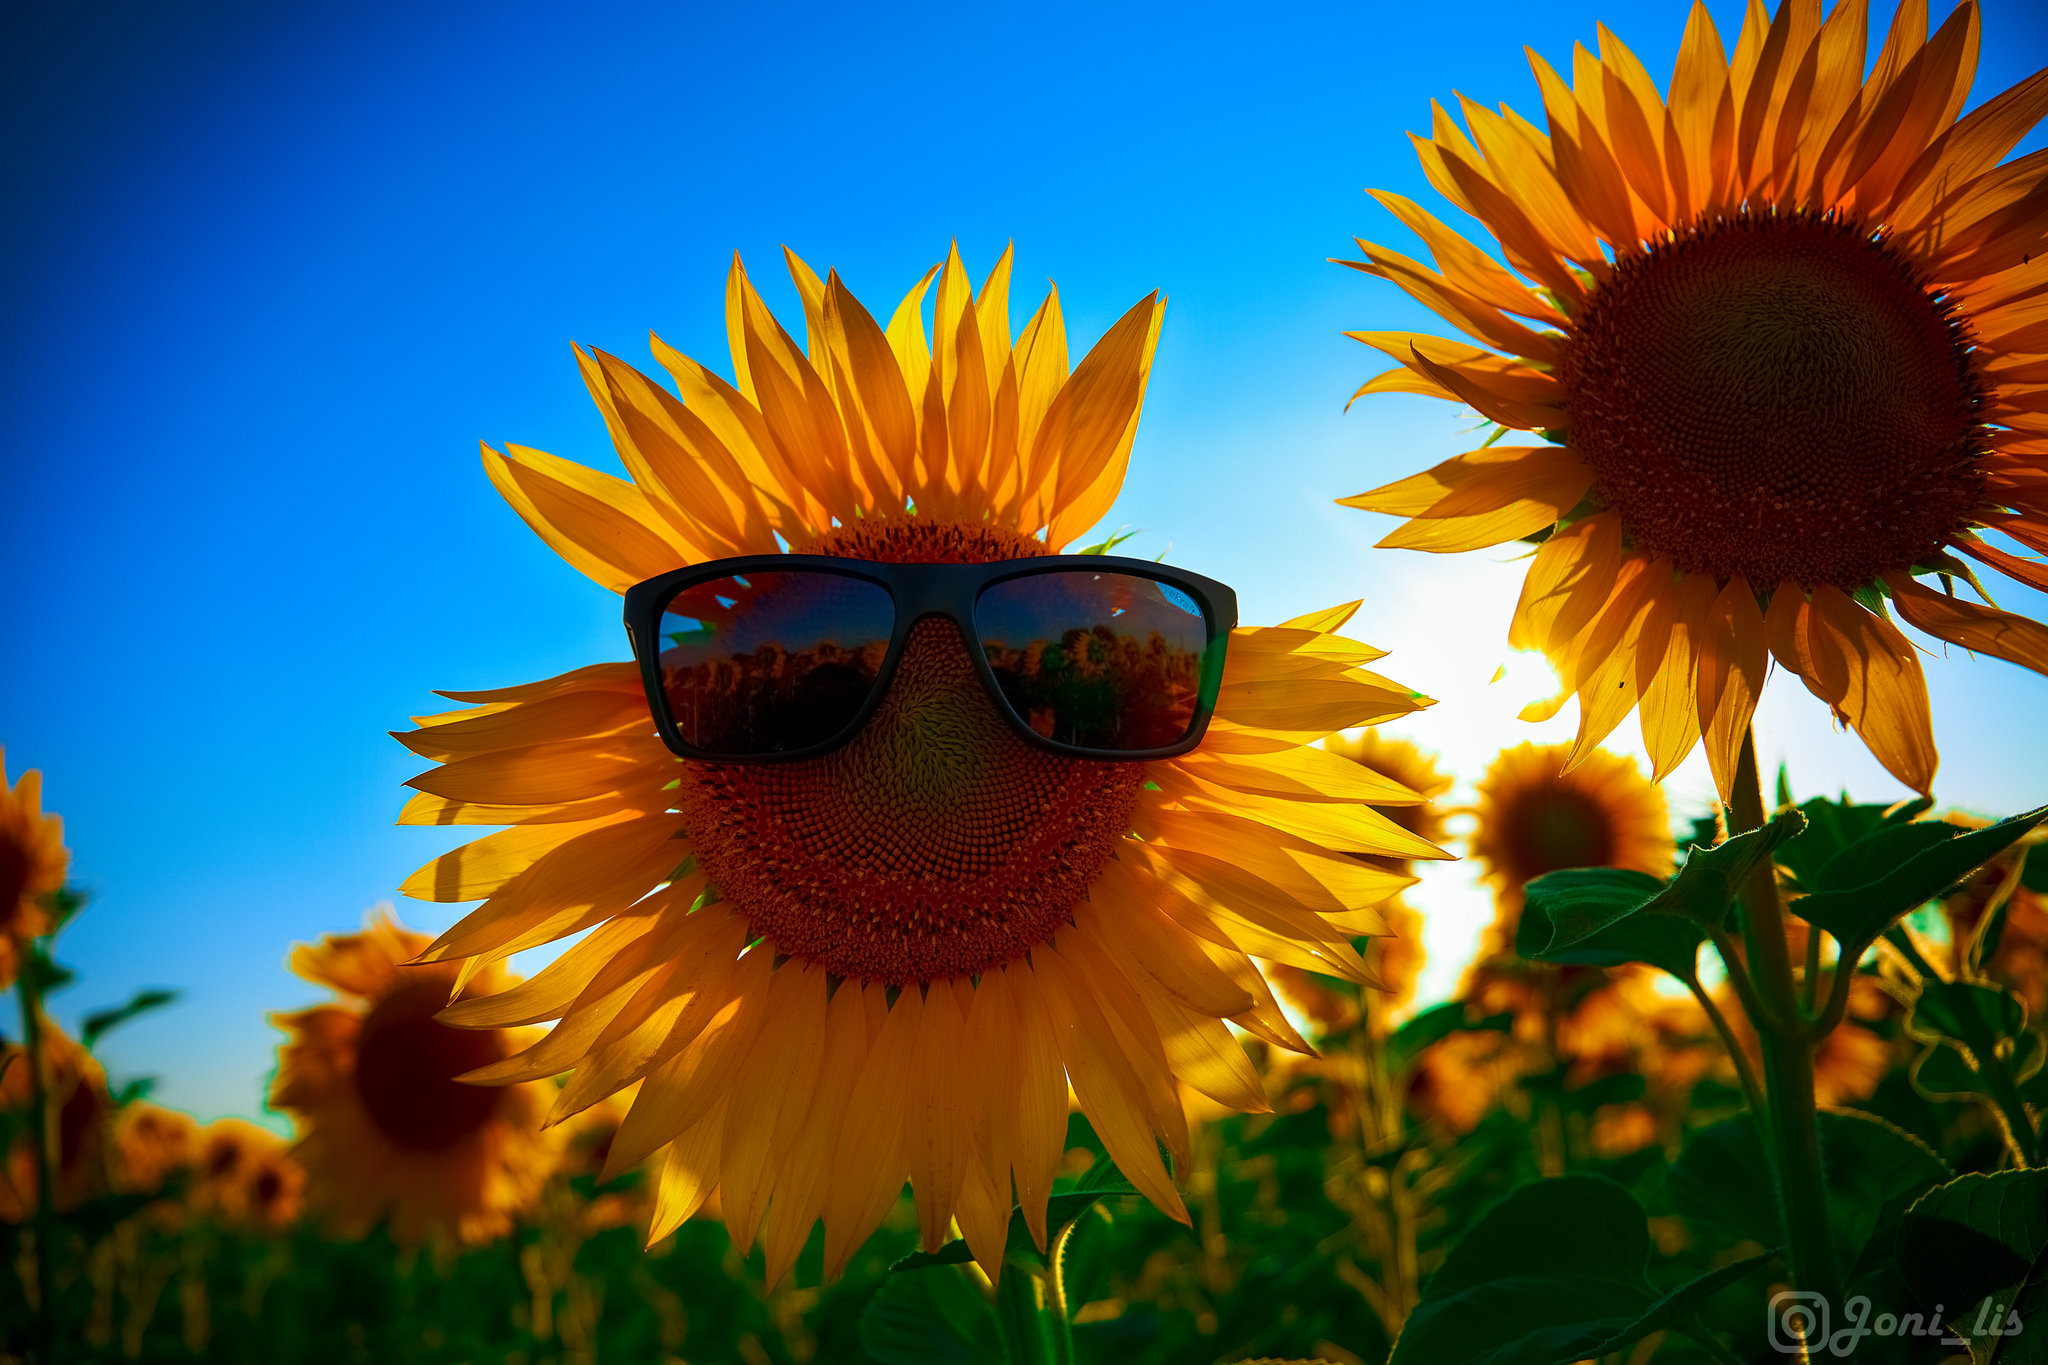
<point x="902" y="822"/>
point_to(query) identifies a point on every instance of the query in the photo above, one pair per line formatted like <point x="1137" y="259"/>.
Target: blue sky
<point x="274" y="270"/>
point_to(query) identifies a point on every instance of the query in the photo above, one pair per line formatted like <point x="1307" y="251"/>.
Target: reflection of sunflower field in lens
<point x="1780" y="334"/>
<point x="949" y="925"/>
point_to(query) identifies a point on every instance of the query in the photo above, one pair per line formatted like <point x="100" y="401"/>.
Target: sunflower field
<point x="971" y="946"/>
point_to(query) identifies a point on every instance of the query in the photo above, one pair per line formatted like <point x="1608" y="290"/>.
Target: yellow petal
<point x="869" y="1165"/>
<point x="689" y="1172"/>
<point x="603" y="526"/>
<point x="1886" y="696"/>
<point x="1111" y="1091"/>
<point x="1984" y="629"/>
<point x="769" y="1097"/>
<point x="1732" y="665"/>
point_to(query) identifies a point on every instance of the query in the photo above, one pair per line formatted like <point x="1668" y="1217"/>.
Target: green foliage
<point x="1981" y="1241"/>
<point x="1607" y="916"/>
<point x="142" y="1002"/>
<point x="1871" y="883"/>
<point x="1556" y="1272"/>
<point x="1874" y="1169"/>
<point x="1610" y="897"/>
<point x="932" y="1316"/>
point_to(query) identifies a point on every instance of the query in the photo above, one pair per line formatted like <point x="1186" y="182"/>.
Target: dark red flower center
<point x="1778" y="396"/>
<point x="406" y="1065"/>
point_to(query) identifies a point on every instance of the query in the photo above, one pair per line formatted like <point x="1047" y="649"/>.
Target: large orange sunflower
<point x="33" y="861"/>
<point x="1785" y="333"/>
<point x="892" y="961"/>
<point x="383" y="1129"/>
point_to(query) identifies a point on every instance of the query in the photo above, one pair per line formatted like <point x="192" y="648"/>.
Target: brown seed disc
<point x="934" y="844"/>
<point x="1778" y="396"/>
<point x="405" y="1069"/>
<point x="1549" y="828"/>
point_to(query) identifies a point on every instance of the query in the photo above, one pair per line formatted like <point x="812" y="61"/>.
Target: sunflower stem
<point x="1788" y="1057"/>
<point x="1745" y="1074"/>
<point x="1032" y="1314"/>
<point x="28" y="985"/>
<point x="1809" y="985"/>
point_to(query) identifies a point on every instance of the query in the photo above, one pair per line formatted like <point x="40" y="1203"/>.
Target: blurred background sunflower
<point x="383" y="1130"/>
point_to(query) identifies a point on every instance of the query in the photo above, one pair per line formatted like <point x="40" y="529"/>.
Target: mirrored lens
<point x="1109" y="661"/>
<point x="770" y="662"/>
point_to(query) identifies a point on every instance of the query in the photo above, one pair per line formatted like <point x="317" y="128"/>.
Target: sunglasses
<point x="773" y="657"/>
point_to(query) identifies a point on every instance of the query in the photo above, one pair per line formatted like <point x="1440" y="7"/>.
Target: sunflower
<point x="1068" y="922"/>
<point x="1397" y="957"/>
<point x="1539" y="813"/>
<point x="1407" y="763"/>
<point x="151" y="1144"/>
<point x="1782" y="335"/>
<point x="382" y="1126"/>
<point x="33" y="861"/>
<point x="244" y="1177"/>
<point x="1535" y="815"/>
<point x="78" y="1108"/>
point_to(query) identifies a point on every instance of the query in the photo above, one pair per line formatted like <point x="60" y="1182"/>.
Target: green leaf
<point x="45" y="973"/>
<point x="1556" y="1272"/>
<point x="1581" y="901"/>
<point x="1979" y="1241"/>
<point x="1857" y="915"/>
<point x="142" y="1002"/>
<point x="1832" y="826"/>
<point x="2034" y="874"/>
<point x="1085" y="1257"/>
<point x="1873" y="1169"/>
<point x="1666" y="942"/>
<point x="1945" y="1073"/>
<point x="934" y="1317"/>
<point x="1975" y="1014"/>
<point x="1878" y="853"/>
<point x="1711" y="877"/>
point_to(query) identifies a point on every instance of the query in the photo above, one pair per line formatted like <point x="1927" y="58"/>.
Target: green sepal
<point x="1097" y="1182"/>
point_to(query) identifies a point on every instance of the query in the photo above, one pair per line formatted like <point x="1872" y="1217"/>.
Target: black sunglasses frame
<point x="921" y="590"/>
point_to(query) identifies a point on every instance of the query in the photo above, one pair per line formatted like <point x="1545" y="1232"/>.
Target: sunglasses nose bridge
<point x="949" y="594"/>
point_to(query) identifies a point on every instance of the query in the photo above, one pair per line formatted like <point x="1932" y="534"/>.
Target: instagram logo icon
<point x="1799" y="1324"/>
<point x="1798" y="1316"/>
